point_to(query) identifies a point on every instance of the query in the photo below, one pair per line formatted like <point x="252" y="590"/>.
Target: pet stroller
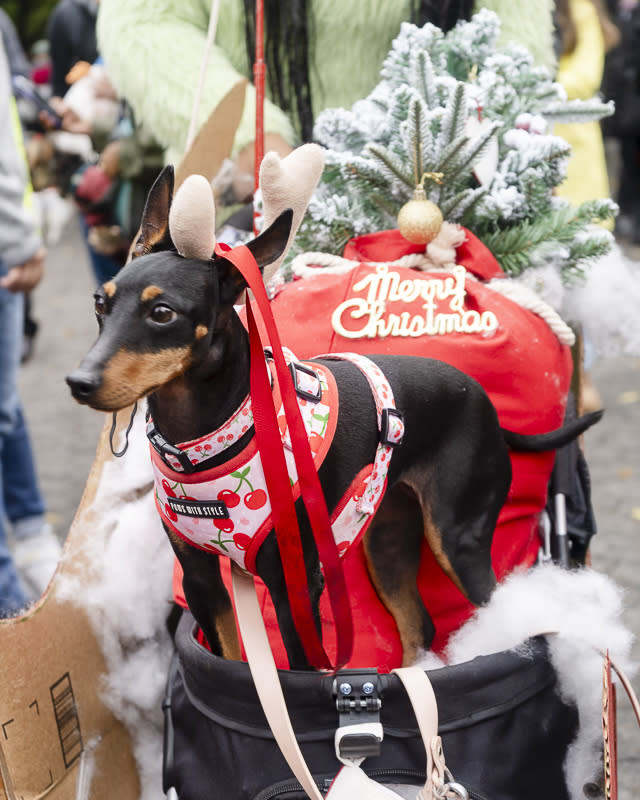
<point x="508" y="727"/>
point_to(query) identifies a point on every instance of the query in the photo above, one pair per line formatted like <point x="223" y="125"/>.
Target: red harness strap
<point x="276" y="474"/>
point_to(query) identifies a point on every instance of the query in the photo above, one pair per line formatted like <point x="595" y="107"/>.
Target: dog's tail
<point x="539" y="442"/>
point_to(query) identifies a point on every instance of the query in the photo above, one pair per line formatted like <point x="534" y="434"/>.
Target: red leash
<point x="279" y="485"/>
<point x="259" y="70"/>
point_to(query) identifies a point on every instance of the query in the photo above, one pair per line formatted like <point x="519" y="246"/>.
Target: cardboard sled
<point x="57" y="738"/>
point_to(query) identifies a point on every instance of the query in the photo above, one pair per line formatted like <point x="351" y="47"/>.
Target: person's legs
<point x="22" y="497"/>
<point x="12" y="595"/>
<point x="36" y="549"/>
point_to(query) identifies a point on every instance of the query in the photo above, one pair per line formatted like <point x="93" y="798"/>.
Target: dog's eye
<point x="162" y="315"/>
<point x="99" y="305"/>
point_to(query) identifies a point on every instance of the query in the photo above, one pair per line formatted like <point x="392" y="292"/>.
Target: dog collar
<point x="186" y="457"/>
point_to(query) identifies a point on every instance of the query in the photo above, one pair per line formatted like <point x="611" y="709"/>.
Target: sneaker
<point x="36" y="558"/>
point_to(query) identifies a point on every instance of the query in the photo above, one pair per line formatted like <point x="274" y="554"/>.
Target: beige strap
<point x="423" y="700"/>
<point x="265" y="677"/>
<point x="267" y="683"/>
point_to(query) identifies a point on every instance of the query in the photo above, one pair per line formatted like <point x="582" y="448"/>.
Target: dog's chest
<point x="227" y="509"/>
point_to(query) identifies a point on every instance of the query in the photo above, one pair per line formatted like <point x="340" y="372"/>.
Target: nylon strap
<point x="266" y="680"/>
<point x="269" y="690"/>
<point x="280" y="490"/>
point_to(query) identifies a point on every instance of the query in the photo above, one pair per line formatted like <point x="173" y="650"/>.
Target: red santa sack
<point x="453" y="317"/>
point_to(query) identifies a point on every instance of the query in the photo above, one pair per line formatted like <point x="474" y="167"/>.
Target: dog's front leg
<point x="207" y="597"/>
<point x="269" y="568"/>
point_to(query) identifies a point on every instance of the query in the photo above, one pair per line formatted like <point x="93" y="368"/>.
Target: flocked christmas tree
<point x="474" y="119"/>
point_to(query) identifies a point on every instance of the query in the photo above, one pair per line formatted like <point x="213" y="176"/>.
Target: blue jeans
<point x="22" y="497"/>
<point x="12" y="595"/>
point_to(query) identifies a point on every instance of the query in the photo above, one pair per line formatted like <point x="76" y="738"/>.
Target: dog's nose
<point x="83" y="385"/>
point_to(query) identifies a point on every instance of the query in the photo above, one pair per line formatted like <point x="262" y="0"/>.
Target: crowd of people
<point x="104" y="99"/>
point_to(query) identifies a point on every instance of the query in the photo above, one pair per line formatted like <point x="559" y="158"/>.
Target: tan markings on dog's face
<point x="109" y="288"/>
<point x="149" y="293"/>
<point x="129" y="376"/>
<point x="201" y="331"/>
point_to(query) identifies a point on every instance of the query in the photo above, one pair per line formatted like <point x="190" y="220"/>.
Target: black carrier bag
<point x="504" y="727"/>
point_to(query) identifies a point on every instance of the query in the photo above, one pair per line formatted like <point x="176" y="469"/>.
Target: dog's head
<point x="168" y="308"/>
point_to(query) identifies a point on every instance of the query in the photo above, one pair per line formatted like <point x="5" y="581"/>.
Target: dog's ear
<point x="154" y="234"/>
<point x="271" y="243"/>
<point x="266" y="248"/>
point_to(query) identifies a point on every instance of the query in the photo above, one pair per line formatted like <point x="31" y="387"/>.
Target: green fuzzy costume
<point x="153" y="50"/>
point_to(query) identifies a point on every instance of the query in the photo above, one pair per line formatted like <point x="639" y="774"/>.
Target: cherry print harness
<point x="226" y="509"/>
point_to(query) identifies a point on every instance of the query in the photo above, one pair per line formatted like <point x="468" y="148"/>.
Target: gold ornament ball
<point x="420" y="221"/>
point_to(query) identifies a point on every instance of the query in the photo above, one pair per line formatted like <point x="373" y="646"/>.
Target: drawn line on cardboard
<point x="67" y="720"/>
<point x="50" y="780"/>
<point x="7" y="783"/>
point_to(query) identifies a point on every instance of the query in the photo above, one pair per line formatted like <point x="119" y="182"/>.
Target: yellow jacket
<point x="580" y="72"/>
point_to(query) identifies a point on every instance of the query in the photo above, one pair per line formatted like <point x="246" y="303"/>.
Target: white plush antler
<point x="192" y="219"/>
<point x="289" y="183"/>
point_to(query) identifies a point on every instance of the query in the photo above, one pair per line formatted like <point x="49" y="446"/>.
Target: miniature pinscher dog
<point x="168" y="331"/>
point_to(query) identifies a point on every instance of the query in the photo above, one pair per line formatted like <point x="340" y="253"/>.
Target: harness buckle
<point x="360" y="733"/>
<point x="308" y="385"/>
<point x="164" y="449"/>
<point x="391" y="427"/>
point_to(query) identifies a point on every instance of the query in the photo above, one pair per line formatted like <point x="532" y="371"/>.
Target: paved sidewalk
<point x="65" y="437"/>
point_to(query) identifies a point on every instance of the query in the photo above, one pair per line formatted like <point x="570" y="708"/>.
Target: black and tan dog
<point x="169" y="332"/>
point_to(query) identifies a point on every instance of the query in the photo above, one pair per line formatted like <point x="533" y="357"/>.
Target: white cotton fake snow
<point x="582" y="609"/>
<point x="127" y="595"/>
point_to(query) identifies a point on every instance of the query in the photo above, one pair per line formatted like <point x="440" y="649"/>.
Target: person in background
<point x="110" y="193"/>
<point x="19" y="65"/>
<point x="22" y="259"/>
<point x="71" y="32"/>
<point x="16" y="57"/>
<point x="41" y="65"/>
<point x="586" y="34"/>
<point x="622" y="85"/>
<point x="319" y="54"/>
